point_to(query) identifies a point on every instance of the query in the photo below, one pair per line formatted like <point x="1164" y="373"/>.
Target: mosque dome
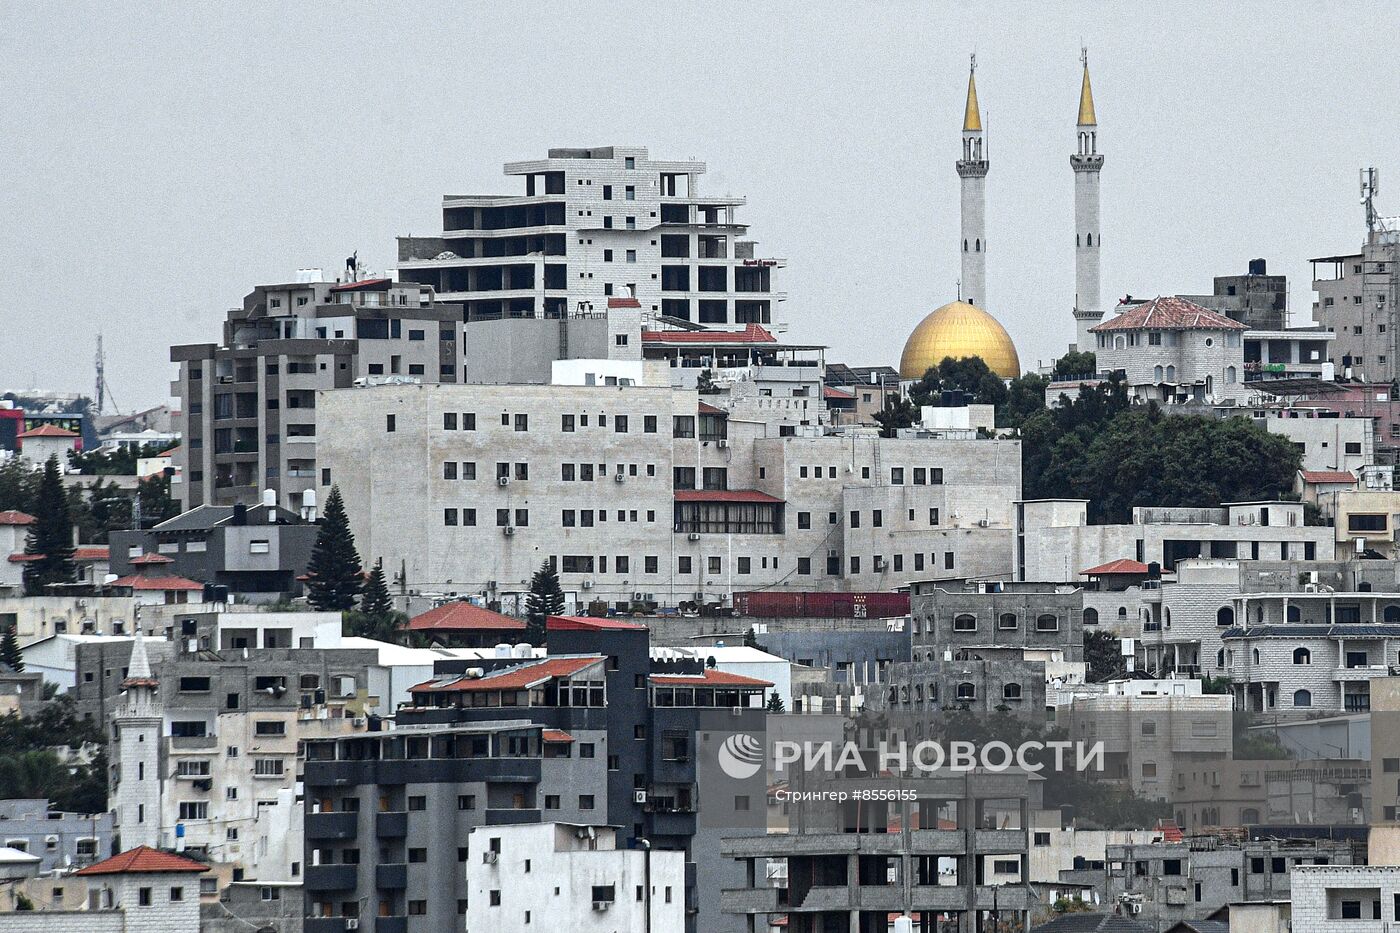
<point x="959" y="330"/>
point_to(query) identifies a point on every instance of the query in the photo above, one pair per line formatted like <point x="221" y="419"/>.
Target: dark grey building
<point x="261" y="549"/>
<point x="59" y="839"/>
<point x="984" y="621"/>
<point x="985" y="686"/>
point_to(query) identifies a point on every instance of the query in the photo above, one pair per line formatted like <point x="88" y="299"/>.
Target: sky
<point x="158" y="161"/>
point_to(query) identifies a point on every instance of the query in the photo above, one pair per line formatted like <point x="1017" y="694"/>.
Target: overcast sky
<point x="156" y="163"/>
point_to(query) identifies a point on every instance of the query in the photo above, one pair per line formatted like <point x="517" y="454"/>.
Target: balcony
<point x="391" y="824"/>
<point x="391" y="876"/>
<point x="324" y="925"/>
<point x="1360" y="673"/>
<point x="330" y="877"/>
<point x="749" y="900"/>
<point x="178" y="742"/>
<point x="511" y="817"/>
<point x="390" y="925"/>
<point x="331" y="825"/>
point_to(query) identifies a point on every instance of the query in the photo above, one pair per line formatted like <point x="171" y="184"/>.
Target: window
<point x="964" y="623"/>
<point x="1011" y="692"/>
<point x="389" y="423"/>
<point x="194" y="810"/>
<point x="585" y="801"/>
<point x="1302" y="656"/>
<point x="466" y="801"/>
<point x="1302" y="699"/>
<point x="143" y="897"/>
<point x="268" y="767"/>
<point x="1225" y="616"/>
<point x="417" y="856"/>
<point x="966" y="691"/>
<point x="620" y="424"/>
<point x="1006" y="621"/>
<point x="522" y="422"/>
<point x="449" y="421"/>
<point x="270" y="727"/>
<point x="1047" y="623"/>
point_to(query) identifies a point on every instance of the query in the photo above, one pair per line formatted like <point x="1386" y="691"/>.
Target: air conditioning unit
<point x="490" y="584"/>
<point x="984" y="523"/>
<point x="358" y="722"/>
<point x="637" y="597"/>
<point x="618" y="477"/>
<point x="503" y="481"/>
<point x="490" y="858"/>
<point x="587" y="584"/>
<point x="700" y="596"/>
<point x="639" y="796"/>
<point x="722" y="443"/>
<point x="601" y="905"/>
<point x="508" y="530"/>
<point x="693" y="536"/>
<point x="736" y="711"/>
<point x="352" y="923"/>
<point x="879" y="564"/>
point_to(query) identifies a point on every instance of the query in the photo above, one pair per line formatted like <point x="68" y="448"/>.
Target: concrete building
<point x="247" y="404"/>
<point x="14" y="534"/>
<point x="1275" y="792"/>
<point x="595" y="223"/>
<point x="40" y="443"/>
<point x="35" y="618"/>
<point x="1361" y="898"/>
<point x="1151" y="730"/>
<point x="649" y="495"/>
<point x="998" y="620"/>
<point x="922" y="688"/>
<point x="142" y="890"/>
<point x="1054" y="540"/>
<point x="1256" y="299"/>
<point x="59" y="839"/>
<point x="567" y="876"/>
<point x="255" y="552"/>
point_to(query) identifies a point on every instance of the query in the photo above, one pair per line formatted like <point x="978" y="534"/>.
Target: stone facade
<point x="1360" y="898"/>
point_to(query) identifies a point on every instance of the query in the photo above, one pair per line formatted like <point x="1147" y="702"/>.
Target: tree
<point x="751" y="639"/>
<point x="1076" y="363"/>
<point x="18" y="485"/>
<point x="705" y="383"/>
<point x="545" y="599"/>
<point x="970" y="375"/>
<point x="775" y="703"/>
<point x="1103" y="654"/>
<point x="50" y="542"/>
<point x="334" y="573"/>
<point x="1025" y="396"/>
<point x="9" y="651"/>
<point x="898" y="413"/>
<point x="376" y="600"/>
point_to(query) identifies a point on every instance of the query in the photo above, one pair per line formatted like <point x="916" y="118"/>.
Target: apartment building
<point x="1247" y="792"/>
<point x="570" y="876"/>
<point x="1357" y="297"/>
<point x="1054" y="540"/>
<point x="247" y="403"/>
<point x="651" y="495"/>
<point x="594" y="224"/>
<point x="999" y="620"/>
<point x="1360" y="898"/>
<point x="59" y="839"/>
<point x="207" y="736"/>
<point x="595" y="732"/>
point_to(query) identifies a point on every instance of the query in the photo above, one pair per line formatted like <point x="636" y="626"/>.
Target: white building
<point x="38" y="444"/>
<point x="564" y="876"/>
<point x="741" y="660"/>
<point x="650" y="495"/>
<point x="1355" y="898"/>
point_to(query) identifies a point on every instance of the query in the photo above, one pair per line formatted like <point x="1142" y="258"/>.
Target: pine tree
<point x="334" y="573"/>
<point x="9" y="651"/>
<point x="375" y="601"/>
<point x="51" y="535"/>
<point x="775" y="703"/>
<point x="546" y="598"/>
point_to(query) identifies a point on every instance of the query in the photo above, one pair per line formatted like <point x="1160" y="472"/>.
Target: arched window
<point x="965" y="623"/>
<point x="1011" y="692"/>
<point x="964" y="246"/>
<point x="1255" y="655"/>
<point x="1171" y="374"/>
<point x="1157" y="373"/>
<point x="1220" y="658"/>
<point x="1166" y="617"/>
<point x="1076" y="240"/>
<point x="1046" y="622"/>
<point x="919" y="693"/>
<point x="1302" y="698"/>
<point x="1122" y="612"/>
<point x="1392" y="614"/>
<point x="967" y="691"/>
<point x="933" y="693"/>
<point x="1088" y="239"/>
<point x="1294" y="615"/>
<point x="1091" y="616"/>
<point x="1225" y="616"/>
<point x="1120" y="342"/>
<point x="977" y="245"/>
<point x="1230" y="376"/>
<point x="1249" y="815"/>
<point x="1302" y="656"/>
<point x="894" y="696"/>
<point x="1007" y="620"/>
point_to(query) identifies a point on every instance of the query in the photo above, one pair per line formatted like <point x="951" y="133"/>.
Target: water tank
<point x="1258" y="267"/>
<point x="503" y="650"/>
<point x="270" y="498"/>
<point x="524" y="650"/>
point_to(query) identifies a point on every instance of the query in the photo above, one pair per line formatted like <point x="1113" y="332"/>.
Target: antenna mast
<point x="99" y="391"/>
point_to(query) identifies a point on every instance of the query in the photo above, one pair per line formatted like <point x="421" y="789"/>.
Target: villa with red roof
<point x="462" y="624"/>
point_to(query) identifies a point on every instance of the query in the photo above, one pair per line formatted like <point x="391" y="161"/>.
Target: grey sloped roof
<point x="1295" y="630"/>
<point x="1093" y="923"/>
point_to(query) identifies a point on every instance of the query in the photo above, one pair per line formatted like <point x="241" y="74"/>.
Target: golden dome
<point x="959" y="330"/>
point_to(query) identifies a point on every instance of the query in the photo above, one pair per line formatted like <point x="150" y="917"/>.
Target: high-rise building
<point x="247" y="404"/>
<point x="596" y="223"/>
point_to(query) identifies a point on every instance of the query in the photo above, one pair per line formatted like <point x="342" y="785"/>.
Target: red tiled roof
<point x="24" y="558"/>
<point x="711" y="678"/>
<point x="624" y="302"/>
<point x="1169" y="313"/>
<point x="148" y="559"/>
<point x="724" y="495"/>
<point x="47" y="430"/>
<point x="13" y="517"/>
<point x="1121" y="566"/>
<point x="143" y="860"/>
<point x="556" y="735"/>
<point x="362" y="284"/>
<point x="589" y="624"/>
<point x="707" y="409"/>
<point x="170" y="452"/>
<point x="752" y="333"/>
<point x="92" y="552"/>
<point x="833" y="392"/>
<point x="463" y="616"/>
<point x="157" y="583"/>
<point x="1327" y="476"/>
<point x="519" y="677"/>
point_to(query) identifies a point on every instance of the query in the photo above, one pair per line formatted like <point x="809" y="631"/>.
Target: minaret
<point x="972" y="169"/>
<point x="1086" y="162"/>
<point x="136" y="791"/>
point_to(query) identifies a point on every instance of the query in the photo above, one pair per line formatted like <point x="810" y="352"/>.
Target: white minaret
<point x="136" y="791"/>
<point x="1086" y="162"/>
<point x="972" y="169"/>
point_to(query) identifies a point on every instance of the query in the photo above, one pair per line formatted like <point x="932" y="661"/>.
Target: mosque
<point x="965" y="327"/>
